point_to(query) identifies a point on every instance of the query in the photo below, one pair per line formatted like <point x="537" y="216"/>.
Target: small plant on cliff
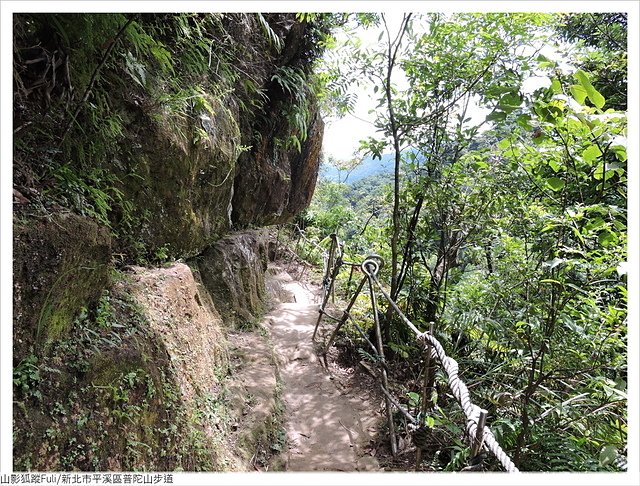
<point x="26" y="376"/>
<point x="294" y="84"/>
<point x="91" y="193"/>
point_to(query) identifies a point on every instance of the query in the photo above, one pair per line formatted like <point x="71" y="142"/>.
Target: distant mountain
<point x="367" y="167"/>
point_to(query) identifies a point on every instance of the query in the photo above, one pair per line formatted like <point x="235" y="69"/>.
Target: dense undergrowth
<point x="511" y="240"/>
<point x="101" y="400"/>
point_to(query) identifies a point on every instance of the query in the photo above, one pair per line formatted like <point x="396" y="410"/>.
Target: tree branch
<point x="96" y="71"/>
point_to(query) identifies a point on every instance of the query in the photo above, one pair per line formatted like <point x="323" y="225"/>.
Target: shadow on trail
<point x="327" y="426"/>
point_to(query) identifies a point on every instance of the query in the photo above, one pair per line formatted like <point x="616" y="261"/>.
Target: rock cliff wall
<point x="144" y="138"/>
<point x="141" y="140"/>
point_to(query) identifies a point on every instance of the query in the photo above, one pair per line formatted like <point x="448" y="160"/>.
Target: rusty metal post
<point x="479" y="438"/>
<point x="428" y="377"/>
<point x="336" y="269"/>
<point x="427" y="390"/>
<point x="370" y="268"/>
<point x="346" y="290"/>
<point x="344" y="317"/>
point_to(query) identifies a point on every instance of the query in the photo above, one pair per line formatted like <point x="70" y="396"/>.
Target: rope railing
<point x="460" y="391"/>
<point x="473" y="413"/>
<point x="302" y="235"/>
<point x="479" y="434"/>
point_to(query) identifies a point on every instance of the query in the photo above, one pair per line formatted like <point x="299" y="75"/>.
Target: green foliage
<point x="601" y="44"/>
<point x="295" y="85"/>
<point x="169" y="70"/>
<point x="26" y="376"/>
<point x="274" y="39"/>
<point x="516" y="236"/>
<point x="566" y="240"/>
<point x="91" y="194"/>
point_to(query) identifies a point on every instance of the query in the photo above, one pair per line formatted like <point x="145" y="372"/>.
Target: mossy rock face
<point x="184" y="171"/>
<point x="274" y="184"/>
<point x="61" y="264"/>
<point x="124" y="392"/>
<point x="171" y="154"/>
<point x="232" y="270"/>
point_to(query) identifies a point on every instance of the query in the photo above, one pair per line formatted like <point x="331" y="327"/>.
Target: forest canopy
<point x="509" y="230"/>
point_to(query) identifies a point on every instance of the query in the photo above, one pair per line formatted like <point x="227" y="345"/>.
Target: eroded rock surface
<point x="232" y="270"/>
<point x="60" y="264"/>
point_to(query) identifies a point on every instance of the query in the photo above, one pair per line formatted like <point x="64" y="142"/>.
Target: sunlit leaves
<point x="545" y="62"/>
<point x="579" y="93"/>
<point x="594" y="96"/>
<point x="555" y="165"/>
<point x="510" y="102"/>
<point x="539" y="282"/>
<point x="591" y="153"/>
<point x="524" y="121"/>
<point x="555" y="183"/>
<point x="556" y="87"/>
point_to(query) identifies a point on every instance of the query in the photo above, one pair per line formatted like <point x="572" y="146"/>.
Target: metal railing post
<point x="370" y="268"/>
<point x="479" y="434"/>
<point x="334" y="274"/>
<point x="427" y="391"/>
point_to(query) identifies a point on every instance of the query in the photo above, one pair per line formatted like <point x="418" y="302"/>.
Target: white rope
<point x="370" y="267"/>
<point x="471" y="411"/>
<point x="457" y="386"/>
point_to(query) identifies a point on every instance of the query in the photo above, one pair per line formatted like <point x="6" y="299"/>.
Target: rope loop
<point x="372" y="265"/>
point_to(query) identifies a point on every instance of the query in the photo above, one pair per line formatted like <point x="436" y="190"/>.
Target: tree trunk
<point x="395" y="234"/>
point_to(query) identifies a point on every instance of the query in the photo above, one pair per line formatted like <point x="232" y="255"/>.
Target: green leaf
<point x="596" y="98"/>
<point x="578" y="92"/>
<point x="591" y="153"/>
<point x="595" y="224"/>
<point x="607" y="238"/>
<point x="604" y="173"/>
<point x="577" y="289"/>
<point x="608" y="454"/>
<point x="555" y="183"/>
<point x="621" y="152"/>
<point x="555" y="86"/>
<point x="504" y="143"/>
<point x="550" y="112"/>
<point x="479" y="164"/>
<point x="544" y="62"/>
<point x="555" y="166"/>
<point x="510" y="102"/>
<point x="523" y="120"/>
<point x="414" y="399"/>
<point x="496" y="116"/>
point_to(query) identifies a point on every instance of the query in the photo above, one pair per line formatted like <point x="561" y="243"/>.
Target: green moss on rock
<point x="61" y="265"/>
<point x="232" y="271"/>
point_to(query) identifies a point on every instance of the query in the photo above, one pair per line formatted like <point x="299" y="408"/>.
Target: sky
<point x="342" y="135"/>
<point x="341" y="138"/>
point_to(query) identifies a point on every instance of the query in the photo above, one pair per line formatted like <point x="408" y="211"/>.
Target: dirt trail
<point x="328" y="425"/>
